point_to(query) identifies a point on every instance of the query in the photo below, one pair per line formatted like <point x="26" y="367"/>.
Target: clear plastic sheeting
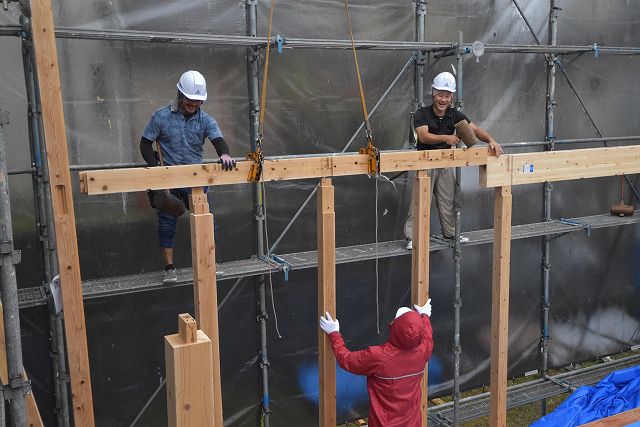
<point x="110" y="88"/>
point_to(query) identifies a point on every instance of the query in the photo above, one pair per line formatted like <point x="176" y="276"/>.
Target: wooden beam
<point x="275" y="169"/>
<point x="326" y="300"/>
<point x="188" y="359"/>
<point x="205" y="292"/>
<point x="420" y="258"/>
<point x="33" y="415"/>
<point x="619" y="420"/>
<point x="531" y="168"/>
<point x="63" y="215"/>
<point x="500" y="306"/>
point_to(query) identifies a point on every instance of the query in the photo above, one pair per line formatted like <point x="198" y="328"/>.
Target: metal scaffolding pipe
<point x="344" y="149"/>
<point x="253" y="87"/>
<point x="34" y="148"/>
<point x="457" y="252"/>
<point x="551" y="103"/>
<point x="311" y="43"/>
<point x="18" y="386"/>
<point x="521" y="144"/>
<point x="418" y="78"/>
<point x="263" y="358"/>
<point x="44" y="220"/>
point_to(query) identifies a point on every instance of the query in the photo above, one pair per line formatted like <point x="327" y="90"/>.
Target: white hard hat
<point x="401" y="311"/>
<point x="193" y="85"/>
<point x="444" y="81"/>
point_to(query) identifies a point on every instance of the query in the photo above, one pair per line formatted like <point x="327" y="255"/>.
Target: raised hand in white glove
<point x="425" y="309"/>
<point x="329" y="325"/>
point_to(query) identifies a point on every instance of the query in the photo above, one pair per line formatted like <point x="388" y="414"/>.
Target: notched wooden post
<point x="188" y="358"/>
<point x="420" y="257"/>
<point x="205" y="293"/>
<point x="326" y="223"/>
<point x="500" y="306"/>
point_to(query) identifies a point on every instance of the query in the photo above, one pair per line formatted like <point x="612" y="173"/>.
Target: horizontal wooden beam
<point x="275" y="169"/>
<point x="619" y="420"/>
<point x="531" y="168"/>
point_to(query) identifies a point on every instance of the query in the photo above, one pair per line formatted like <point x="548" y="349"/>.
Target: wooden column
<point x="188" y="356"/>
<point x="420" y="257"/>
<point x="33" y="415"/>
<point x="500" y="306"/>
<point x="205" y="292"/>
<point x="326" y="300"/>
<point x="63" y="214"/>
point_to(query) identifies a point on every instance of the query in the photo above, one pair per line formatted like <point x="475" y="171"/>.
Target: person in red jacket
<point x="394" y="369"/>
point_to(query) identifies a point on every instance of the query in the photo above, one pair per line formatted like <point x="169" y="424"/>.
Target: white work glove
<point x="328" y="325"/>
<point x="425" y="309"/>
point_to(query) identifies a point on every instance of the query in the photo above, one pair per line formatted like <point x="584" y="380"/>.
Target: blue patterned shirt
<point x="181" y="139"/>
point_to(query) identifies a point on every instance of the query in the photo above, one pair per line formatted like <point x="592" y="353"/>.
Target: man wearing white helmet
<point x="435" y="130"/>
<point x="180" y="129"/>
<point x="394" y="369"/>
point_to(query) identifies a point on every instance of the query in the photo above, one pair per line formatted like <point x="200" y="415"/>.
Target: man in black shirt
<point x="435" y="130"/>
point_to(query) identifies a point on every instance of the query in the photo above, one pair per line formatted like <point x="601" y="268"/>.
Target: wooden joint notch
<point x="187" y="328"/>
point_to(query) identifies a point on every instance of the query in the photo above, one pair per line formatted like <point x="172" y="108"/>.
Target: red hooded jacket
<point x="394" y="370"/>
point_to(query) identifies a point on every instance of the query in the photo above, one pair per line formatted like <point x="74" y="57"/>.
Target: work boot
<point x="170" y="275"/>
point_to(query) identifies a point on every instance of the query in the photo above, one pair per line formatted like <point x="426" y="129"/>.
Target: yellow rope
<point x="263" y="95"/>
<point x="363" y="102"/>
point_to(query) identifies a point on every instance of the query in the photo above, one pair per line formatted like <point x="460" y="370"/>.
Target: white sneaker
<point x="463" y="239"/>
<point x="409" y="244"/>
<point x="170" y="276"/>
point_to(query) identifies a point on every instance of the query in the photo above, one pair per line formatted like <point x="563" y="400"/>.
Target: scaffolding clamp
<point x="584" y="225"/>
<point x="373" y="164"/>
<point x="6" y="248"/>
<point x="596" y="50"/>
<point x="278" y="262"/>
<point x="18" y="386"/>
<point x="255" y="172"/>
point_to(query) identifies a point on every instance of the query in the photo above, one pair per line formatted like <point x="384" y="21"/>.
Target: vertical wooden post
<point x="420" y="257"/>
<point x="500" y="306"/>
<point x="326" y="300"/>
<point x="205" y="292"/>
<point x="33" y="415"/>
<point x="188" y="356"/>
<point x="62" y="200"/>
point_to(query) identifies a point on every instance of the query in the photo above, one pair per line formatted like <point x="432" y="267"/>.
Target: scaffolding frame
<point x="254" y="44"/>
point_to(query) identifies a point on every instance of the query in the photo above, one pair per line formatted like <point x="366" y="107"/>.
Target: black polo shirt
<point x="437" y="125"/>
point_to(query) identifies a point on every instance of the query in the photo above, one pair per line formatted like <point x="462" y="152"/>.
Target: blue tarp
<point x="617" y="392"/>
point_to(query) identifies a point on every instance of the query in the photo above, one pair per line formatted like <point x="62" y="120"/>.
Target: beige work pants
<point x="443" y="183"/>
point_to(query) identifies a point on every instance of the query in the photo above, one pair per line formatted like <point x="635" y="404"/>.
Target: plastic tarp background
<point x="617" y="392"/>
<point x="110" y="89"/>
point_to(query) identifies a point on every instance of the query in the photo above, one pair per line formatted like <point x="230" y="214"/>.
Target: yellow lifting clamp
<point x="255" y="172"/>
<point x="373" y="164"/>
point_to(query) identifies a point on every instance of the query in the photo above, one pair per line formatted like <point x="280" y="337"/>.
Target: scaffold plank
<point x="474" y="407"/>
<point x="103" y="287"/>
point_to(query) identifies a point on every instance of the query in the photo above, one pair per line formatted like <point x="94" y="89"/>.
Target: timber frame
<point x="502" y="173"/>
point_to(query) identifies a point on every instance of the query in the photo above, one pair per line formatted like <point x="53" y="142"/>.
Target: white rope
<point x="377" y="286"/>
<point x="266" y="236"/>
